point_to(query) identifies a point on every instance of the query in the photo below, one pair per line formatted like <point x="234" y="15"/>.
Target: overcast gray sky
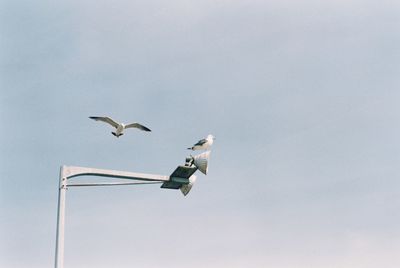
<point x="303" y="97"/>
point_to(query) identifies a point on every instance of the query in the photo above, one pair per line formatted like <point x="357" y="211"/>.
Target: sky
<point x="302" y="96"/>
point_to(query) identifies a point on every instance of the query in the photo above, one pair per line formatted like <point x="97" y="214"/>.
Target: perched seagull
<point x="203" y="144"/>
<point x="119" y="126"/>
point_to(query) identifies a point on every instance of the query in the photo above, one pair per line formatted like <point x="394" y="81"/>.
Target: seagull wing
<point x="137" y="125"/>
<point x="200" y="142"/>
<point x="105" y="119"/>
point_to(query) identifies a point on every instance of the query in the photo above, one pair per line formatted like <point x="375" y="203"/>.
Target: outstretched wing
<point x="105" y="119"/>
<point x="200" y="142"/>
<point x="137" y="125"/>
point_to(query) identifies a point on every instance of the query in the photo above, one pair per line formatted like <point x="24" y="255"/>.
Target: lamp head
<point x="182" y="178"/>
<point x="185" y="188"/>
<point x="201" y="161"/>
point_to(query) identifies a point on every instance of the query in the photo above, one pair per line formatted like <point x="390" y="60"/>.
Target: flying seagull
<point x="119" y="126"/>
<point x="203" y="144"/>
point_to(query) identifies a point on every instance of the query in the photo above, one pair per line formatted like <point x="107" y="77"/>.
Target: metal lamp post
<point x="182" y="178"/>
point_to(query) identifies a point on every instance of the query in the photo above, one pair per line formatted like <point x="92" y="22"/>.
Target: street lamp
<point x="182" y="178"/>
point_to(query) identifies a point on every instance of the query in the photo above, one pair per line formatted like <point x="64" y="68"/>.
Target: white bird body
<point x="203" y="144"/>
<point x="119" y="127"/>
<point x="119" y="130"/>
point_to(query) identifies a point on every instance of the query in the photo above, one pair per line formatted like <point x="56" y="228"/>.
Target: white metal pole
<point x="59" y="260"/>
<point x="67" y="172"/>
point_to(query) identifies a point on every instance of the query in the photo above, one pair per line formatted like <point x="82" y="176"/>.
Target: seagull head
<point x="210" y="137"/>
